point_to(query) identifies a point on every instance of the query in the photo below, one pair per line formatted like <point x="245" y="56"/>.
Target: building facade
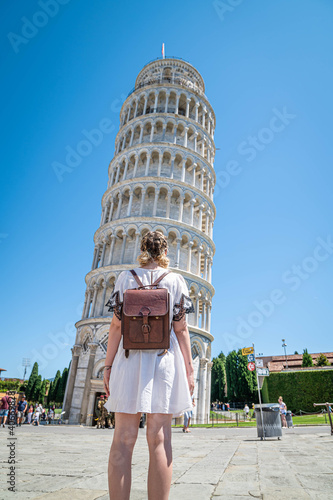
<point x="160" y="178"/>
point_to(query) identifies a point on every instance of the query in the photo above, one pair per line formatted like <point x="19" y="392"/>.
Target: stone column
<point x="181" y="207"/>
<point x="208" y="388"/>
<point x="125" y="169"/>
<point x="201" y="207"/>
<point x="183" y="171"/>
<point x="194" y="173"/>
<point x="93" y="348"/>
<point x="147" y="165"/>
<point x="160" y="159"/>
<point x="103" y="252"/>
<point x="189" y="256"/>
<point x="111" y="210"/>
<point x="157" y="193"/>
<point x="113" y="240"/>
<point x="155" y="103"/>
<point x="196" y="111"/>
<point x="90" y="409"/>
<point x="172" y="166"/>
<point x="85" y="304"/>
<point x="103" y="299"/>
<point x="96" y="251"/>
<point x="163" y="133"/>
<point x="119" y="205"/>
<point x="178" y="252"/>
<point x="136" y="246"/>
<point x="152" y="133"/>
<point x="192" y="202"/>
<point x="145" y="105"/>
<point x="96" y="287"/>
<point x="185" y="137"/>
<point x="177" y="104"/>
<point x="76" y="350"/>
<point x="203" y="314"/>
<point x="136" y="108"/>
<point x="123" y="248"/>
<point x="143" y="195"/>
<point x="117" y="174"/>
<point x="86" y="310"/>
<point x="135" y="165"/>
<point x="195" y="141"/>
<point x="141" y="134"/>
<point x="167" y="215"/>
<point x="166" y="102"/>
<point x="188" y="100"/>
<point x="202" y="390"/>
<point x="197" y="313"/>
<point x="130" y="201"/>
<point x="208" y="309"/>
<point x="200" y="248"/>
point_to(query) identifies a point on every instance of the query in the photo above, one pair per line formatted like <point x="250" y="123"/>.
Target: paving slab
<point x="70" y="463"/>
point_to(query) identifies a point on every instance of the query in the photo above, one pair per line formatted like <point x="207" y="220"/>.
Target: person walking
<point x="22" y="407"/>
<point x="246" y="411"/>
<point x="157" y="383"/>
<point x="30" y="412"/>
<point x="4" y="409"/>
<point x="283" y="412"/>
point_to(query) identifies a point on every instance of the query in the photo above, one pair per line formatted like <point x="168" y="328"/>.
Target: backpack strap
<point x="156" y="282"/>
<point x="137" y="279"/>
<point x="139" y="282"/>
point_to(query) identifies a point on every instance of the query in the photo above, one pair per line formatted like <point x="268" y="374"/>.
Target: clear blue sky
<point x="259" y="60"/>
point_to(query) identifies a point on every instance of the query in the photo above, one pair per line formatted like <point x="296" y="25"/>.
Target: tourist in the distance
<point x="246" y="411"/>
<point x="22" y="407"/>
<point x="29" y="415"/>
<point x="283" y="412"/>
<point x="160" y="386"/>
<point x="4" y="409"/>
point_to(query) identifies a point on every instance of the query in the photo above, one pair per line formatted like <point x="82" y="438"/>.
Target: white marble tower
<point x="160" y="178"/>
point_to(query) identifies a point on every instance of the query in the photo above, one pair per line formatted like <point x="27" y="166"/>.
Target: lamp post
<point x="284" y="345"/>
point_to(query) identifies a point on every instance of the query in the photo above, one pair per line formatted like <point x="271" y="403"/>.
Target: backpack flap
<point x="136" y="302"/>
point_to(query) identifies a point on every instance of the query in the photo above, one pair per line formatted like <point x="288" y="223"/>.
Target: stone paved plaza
<point x="70" y="462"/>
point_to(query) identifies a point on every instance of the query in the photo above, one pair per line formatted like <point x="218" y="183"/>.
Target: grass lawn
<point x="298" y="420"/>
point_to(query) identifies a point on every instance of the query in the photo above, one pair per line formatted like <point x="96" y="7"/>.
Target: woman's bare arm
<point x="113" y="344"/>
<point x="183" y="336"/>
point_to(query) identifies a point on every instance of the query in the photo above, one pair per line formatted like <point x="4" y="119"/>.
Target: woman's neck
<point x="151" y="265"/>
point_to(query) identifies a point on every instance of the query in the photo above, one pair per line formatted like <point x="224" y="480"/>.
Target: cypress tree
<point x="31" y="381"/>
<point x="231" y="373"/>
<point x="42" y="392"/>
<point x="307" y="359"/>
<point x="59" y="395"/>
<point x="49" y="395"/>
<point x="56" y="384"/>
<point x="36" y="389"/>
<point x="218" y="378"/>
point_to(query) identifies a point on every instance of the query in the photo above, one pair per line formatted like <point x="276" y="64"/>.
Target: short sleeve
<point x="115" y="302"/>
<point x="183" y="304"/>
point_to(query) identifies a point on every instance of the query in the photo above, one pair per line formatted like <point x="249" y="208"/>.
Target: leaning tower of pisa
<point x="160" y="178"/>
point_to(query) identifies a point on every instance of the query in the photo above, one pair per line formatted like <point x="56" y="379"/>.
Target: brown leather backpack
<point x="145" y="322"/>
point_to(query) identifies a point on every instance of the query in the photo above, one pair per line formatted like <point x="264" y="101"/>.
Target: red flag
<point x="163" y="52"/>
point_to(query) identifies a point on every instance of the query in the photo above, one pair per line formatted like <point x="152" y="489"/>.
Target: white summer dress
<point x="145" y="382"/>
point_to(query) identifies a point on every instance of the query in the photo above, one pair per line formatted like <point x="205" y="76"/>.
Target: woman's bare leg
<point x="160" y="455"/>
<point x="120" y="460"/>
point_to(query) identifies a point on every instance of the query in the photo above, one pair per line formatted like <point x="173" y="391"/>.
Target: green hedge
<point x="299" y="389"/>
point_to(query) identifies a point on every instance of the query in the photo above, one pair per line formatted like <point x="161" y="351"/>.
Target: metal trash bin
<point x="289" y="419"/>
<point x="271" y="418"/>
